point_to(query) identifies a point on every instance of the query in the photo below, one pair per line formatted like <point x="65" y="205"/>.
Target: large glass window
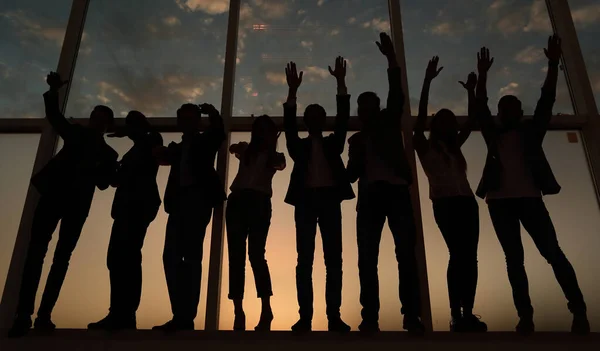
<point x="576" y="217"/>
<point x="150" y="56"/>
<point x="516" y="31"/>
<point x="312" y="33"/>
<point x="586" y="15"/>
<point x="31" y="37"/>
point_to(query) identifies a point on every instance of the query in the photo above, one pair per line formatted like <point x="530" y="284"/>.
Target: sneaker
<point x="473" y="324"/>
<point x="525" y="326"/>
<point x="338" y="325"/>
<point x="368" y="327"/>
<point x="112" y="323"/>
<point x="173" y="326"/>
<point x="20" y="327"/>
<point x="44" y="324"/>
<point x="413" y="325"/>
<point x="456" y="325"/>
<point x="302" y="325"/>
<point x="581" y="325"/>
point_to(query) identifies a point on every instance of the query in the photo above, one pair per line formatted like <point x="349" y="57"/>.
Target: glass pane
<point x="516" y="31"/>
<point x="311" y="33"/>
<point x="16" y="172"/>
<point x="31" y="37"/>
<point x="575" y="214"/>
<point x="150" y="56"/>
<point x="586" y="15"/>
<point x="85" y="294"/>
<point x="281" y="257"/>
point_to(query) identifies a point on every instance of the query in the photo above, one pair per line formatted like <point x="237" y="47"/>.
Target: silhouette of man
<point x="318" y="185"/>
<point x="515" y="177"/>
<point x="377" y="159"/>
<point x="66" y="185"/>
<point x="135" y="206"/>
<point x="193" y="190"/>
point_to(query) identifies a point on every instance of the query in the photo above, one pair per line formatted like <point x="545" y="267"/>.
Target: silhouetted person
<point x="377" y="159"/>
<point x="454" y="205"/>
<point x="318" y="185"/>
<point x="249" y="217"/>
<point x="515" y="177"/>
<point x="135" y="206"/>
<point x="193" y="190"/>
<point x="66" y="185"/>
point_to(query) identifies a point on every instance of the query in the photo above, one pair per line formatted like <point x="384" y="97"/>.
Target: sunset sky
<point x="155" y="55"/>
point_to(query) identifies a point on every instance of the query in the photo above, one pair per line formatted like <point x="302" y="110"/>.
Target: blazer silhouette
<point x="386" y="132"/>
<point x="300" y="151"/>
<point x="201" y="165"/>
<point x="533" y="132"/>
<point x="84" y="162"/>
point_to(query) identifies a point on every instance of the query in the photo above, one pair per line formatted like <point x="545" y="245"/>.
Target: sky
<point x="154" y="55"/>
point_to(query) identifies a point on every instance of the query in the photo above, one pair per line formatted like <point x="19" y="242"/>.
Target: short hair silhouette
<point x="105" y="110"/>
<point x="189" y="108"/>
<point x="367" y="97"/>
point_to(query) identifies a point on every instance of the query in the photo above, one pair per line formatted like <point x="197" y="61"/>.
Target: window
<point x="586" y="16"/>
<point x="150" y="56"/>
<point x="31" y="37"/>
<point x="575" y="214"/>
<point x="312" y="33"/>
<point x="516" y="31"/>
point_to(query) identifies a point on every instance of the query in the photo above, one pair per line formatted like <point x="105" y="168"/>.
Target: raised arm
<point x="238" y="149"/>
<point x="465" y="130"/>
<point x="216" y="129"/>
<point x="395" y="100"/>
<point x="53" y="114"/>
<point x="290" y="124"/>
<point x="343" y="104"/>
<point x="543" y="110"/>
<point x="482" y="111"/>
<point x="420" y="142"/>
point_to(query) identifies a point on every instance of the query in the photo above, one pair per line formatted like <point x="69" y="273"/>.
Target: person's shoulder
<point x="356" y="137"/>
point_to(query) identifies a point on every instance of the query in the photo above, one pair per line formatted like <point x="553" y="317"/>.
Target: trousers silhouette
<point x="182" y="256"/>
<point x="248" y="219"/>
<point x="68" y="209"/>
<point x="458" y="220"/>
<point x="507" y="215"/>
<point x="322" y="207"/>
<point x="376" y="202"/>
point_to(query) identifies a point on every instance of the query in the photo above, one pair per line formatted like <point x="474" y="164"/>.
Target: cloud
<point x="529" y="55"/>
<point x="314" y="73"/>
<point x="449" y="28"/>
<point x="378" y="24"/>
<point x="171" y="21"/>
<point x="510" y="89"/>
<point x="271" y="9"/>
<point x="307" y="44"/>
<point x="586" y="15"/>
<point x="512" y="19"/>
<point x="539" y="21"/>
<point x="211" y="7"/>
<point x="29" y="28"/>
<point x="301" y="12"/>
<point x="276" y="78"/>
<point x="320" y="2"/>
<point x="334" y="32"/>
<point x="352" y="20"/>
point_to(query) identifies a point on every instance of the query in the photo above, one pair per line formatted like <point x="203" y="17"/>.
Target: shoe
<point x="264" y="324"/>
<point x="473" y="324"/>
<point x="413" y="325"/>
<point x="173" y="326"/>
<point x="337" y="325"/>
<point x="239" y="322"/>
<point x="20" y="327"/>
<point x="525" y="326"/>
<point x="457" y="325"/>
<point x="368" y="327"/>
<point x="302" y="325"/>
<point x="112" y="323"/>
<point x="581" y="325"/>
<point x="44" y="324"/>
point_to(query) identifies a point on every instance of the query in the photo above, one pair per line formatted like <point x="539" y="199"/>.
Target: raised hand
<point x="554" y="51"/>
<point x="386" y="46"/>
<point x="484" y="62"/>
<point x="208" y="109"/>
<point x="471" y="82"/>
<point x="339" y="72"/>
<point x="432" y="69"/>
<point x="54" y="81"/>
<point x="293" y="78"/>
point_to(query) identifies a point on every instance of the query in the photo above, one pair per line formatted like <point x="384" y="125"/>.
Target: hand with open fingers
<point x="471" y="81"/>
<point x="484" y="62"/>
<point x="432" y="69"/>
<point x="294" y="79"/>
<point x="339" y="71"/>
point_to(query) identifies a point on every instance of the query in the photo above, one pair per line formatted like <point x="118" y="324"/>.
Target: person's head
<point x="368" y="106"/>
<point x="101" y="118"/>
<point x="314" y="118"/>
<point x="444" y="126"/>
<point x="264" y="132"/>
<point x="188" y="118"/>
<point x="136" y="124"/>
<point x="510" y="111"/>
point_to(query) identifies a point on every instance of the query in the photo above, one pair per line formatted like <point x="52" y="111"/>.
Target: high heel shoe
<point x="239" y="322"/>
<point x="264" y="324"/>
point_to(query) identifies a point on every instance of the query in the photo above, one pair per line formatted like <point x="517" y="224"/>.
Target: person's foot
<point x="525" y="326"/>
<point x="368" y="327"/>
<point x="112" y="323"/>
<point x="413" y="325"/>
<point x="264" y="324"/>
<point x="337" y="325"/>
<point x="239" y="322"/>
<point x="473" y="324"/>
<point x="20" y="327"/>
<point x="44" y="324"/>
<point x="457" y="325"/>
<point x="581" y="325"/>
<point x="173" y="325"/>
<point x="302" y="325"/>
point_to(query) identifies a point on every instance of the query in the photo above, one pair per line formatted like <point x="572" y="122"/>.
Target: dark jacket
<point x="533" y="132"/>
<point x="386" y="133"/>
<point x="135" y="179"/>
<point x="201" y="164"/>
<point x="84" y="162"/>
<point x="333" y="146"/>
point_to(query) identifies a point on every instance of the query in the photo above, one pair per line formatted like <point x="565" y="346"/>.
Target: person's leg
<point x="537" y="222"/>
<point x="468" y="254"/>
<point x="236" y="217"/>
<point x="369" y="225"/>
<point x="138" y="227"/>
<point x="114" y="262"/>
